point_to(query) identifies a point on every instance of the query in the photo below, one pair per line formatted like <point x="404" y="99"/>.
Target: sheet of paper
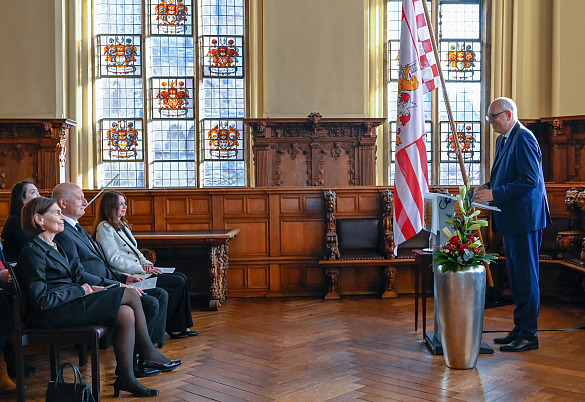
<point x="148" y="283"/>
<point x="166" y="270"/>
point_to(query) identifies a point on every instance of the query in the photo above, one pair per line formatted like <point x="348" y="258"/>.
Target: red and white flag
<point x="418" y="74"/>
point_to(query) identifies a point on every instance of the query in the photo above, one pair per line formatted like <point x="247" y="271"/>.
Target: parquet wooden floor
<point x="358" y="348"/>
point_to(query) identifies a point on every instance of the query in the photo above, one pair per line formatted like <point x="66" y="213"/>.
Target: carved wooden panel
<point x="562" y="140"/>
<point x="34" y="149"/>
<point x="314" y="151"/>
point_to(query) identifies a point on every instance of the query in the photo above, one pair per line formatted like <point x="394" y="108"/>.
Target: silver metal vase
<point x="461" y="301"/>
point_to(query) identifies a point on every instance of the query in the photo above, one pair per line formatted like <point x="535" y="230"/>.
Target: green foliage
<point x="464" y="248"/>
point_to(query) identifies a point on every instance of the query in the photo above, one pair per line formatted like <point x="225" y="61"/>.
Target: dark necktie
<point x="503" y="142"/>
<point x="86" y="235"/>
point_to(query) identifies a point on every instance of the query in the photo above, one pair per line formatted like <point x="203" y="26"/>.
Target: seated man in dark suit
<point x="81" y="249"/>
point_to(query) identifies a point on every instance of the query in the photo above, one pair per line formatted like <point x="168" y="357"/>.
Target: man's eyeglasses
<point x="489" y="117"/>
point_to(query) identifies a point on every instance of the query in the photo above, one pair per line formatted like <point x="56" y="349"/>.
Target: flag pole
<point x="490" y="280"/>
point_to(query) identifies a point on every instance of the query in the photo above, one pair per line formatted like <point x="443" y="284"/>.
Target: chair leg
<point x="95" y="368"/>
<point x="19" y="367"/>
<point x="82" y="354"/>
<point x="54" y="359"/>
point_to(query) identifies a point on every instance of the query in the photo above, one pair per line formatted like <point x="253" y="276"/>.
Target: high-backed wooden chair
<point x="358" y="241"/>
<point x="24" y="334"/>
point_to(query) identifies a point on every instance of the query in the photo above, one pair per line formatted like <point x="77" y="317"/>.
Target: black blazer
<point x="13" y="237"/>
<point x="54" y="292"/>
<point x="48" y="279"/>
<point x="78" y="251"/>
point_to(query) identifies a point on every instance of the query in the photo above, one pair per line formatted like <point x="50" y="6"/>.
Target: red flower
<point x="455" y="240"/>
<point x="470" y="237"/>
<point x="462" y="248"/>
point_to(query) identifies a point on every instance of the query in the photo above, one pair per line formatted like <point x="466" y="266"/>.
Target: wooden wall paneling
<point x="160" y="213"/>
<point x="257" y="277"/>
<point x="274" y="201"/>
<point x="302" y="237"/>
<point x="302" y="277"/>
<point x="253" y="238"/>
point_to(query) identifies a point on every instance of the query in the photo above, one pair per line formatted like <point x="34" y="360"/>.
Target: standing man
<point x="517" y="187"/>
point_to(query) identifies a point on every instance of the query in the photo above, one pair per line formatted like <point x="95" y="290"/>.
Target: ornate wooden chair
<point x="87" y="335"/>
<point x="358" y="241"/>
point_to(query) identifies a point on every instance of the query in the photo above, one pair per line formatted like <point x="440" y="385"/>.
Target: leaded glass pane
<point x="118" y="17"/>
<point x="222" y="17"/>
<point x="171" y="56"/>
<point x="459" y="20"/>
<point x="119" y="98"/>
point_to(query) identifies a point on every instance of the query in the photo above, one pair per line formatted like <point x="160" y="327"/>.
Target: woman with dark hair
<point x="60" y="296"/>
<point x="112" y="232"/>
<point x="13" y="237"/>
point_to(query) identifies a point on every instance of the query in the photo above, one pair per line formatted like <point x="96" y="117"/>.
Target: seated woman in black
<point x="13" y="237"/>
<point x="121" y="250"/>
<point x="59" y="296"/>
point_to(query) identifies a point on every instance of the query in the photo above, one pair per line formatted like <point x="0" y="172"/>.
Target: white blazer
<point x="121" y="249"/>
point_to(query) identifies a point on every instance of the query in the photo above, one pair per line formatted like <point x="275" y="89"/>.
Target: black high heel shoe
<point x="119" y="385"/>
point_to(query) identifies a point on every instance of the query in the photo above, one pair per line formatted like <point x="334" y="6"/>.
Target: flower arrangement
<point x="464" y="248"/>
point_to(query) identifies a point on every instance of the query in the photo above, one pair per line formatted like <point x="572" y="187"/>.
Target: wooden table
<point x="217" y="240"/>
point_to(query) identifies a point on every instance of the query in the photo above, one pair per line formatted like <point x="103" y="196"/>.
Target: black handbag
<point x="61" y="391"/>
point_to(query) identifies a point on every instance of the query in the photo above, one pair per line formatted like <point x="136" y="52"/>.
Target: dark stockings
<point x="130" y="328"/>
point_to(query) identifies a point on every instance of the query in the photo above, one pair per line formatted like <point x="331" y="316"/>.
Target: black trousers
<point x="179" y="311"/>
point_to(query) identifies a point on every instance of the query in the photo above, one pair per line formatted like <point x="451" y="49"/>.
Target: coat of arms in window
<point x="120" y="55"/>
<point x="466" y="139"/>
<point x="461" y="61"/>
<point x="222" y="57"/>
<point x="122" y="140"/>
<point x="171" y="16"/>
<point x="173" y="99"/>
<point x="223" y="140"/>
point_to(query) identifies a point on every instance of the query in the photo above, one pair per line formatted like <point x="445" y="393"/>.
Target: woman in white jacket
<point x="113" y="233"/>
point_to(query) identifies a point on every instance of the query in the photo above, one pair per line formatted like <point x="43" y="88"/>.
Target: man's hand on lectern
<point x="483" y="195"/>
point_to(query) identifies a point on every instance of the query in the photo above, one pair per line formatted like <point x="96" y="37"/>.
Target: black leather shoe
<point x="178" y="335"/>
<point x="520" y="345"/>
<point x="506" y="339"/>
<point x="164" y="367"/>
<point x="190" y="333"/>
<point x="142" y="372"/>
<point x="141" y="392"/>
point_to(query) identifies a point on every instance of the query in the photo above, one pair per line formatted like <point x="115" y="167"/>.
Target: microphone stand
<point x="102" y="190"/>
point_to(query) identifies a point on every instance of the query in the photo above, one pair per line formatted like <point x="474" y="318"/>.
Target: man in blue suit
<point x="517" y="187"/>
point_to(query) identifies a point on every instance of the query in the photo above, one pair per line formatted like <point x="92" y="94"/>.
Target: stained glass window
<point x="169" y="92"/>
<point x="461" y="55"/>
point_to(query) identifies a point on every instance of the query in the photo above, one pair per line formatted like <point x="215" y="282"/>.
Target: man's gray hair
<point x="509" y="105"/>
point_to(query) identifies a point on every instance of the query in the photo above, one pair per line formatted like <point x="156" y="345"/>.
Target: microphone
<point x="102" y="190"/>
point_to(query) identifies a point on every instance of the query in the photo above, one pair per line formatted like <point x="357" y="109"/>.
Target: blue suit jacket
<point x="517" y="183"/>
